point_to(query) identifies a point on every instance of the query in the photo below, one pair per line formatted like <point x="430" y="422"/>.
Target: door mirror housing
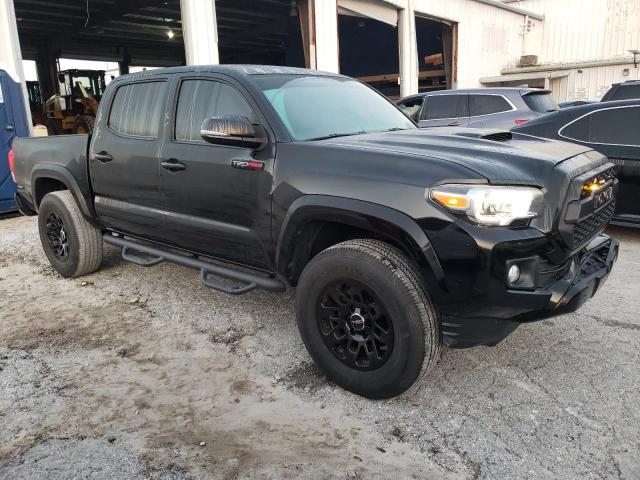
<point x="233" y="130"/>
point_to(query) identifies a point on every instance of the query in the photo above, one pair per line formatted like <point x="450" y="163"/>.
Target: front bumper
<point x="492" y="319"/>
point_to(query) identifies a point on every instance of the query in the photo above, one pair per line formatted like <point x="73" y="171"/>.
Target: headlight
<point x="490" y="205"/>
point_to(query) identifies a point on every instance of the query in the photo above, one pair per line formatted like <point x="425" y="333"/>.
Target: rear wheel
<point x="72" y="245"/>
<point x="84" y="124"/>
<point x="366" y="319"/>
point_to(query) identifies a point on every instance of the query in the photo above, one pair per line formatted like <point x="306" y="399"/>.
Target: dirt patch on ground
<point x="107" y="386"/>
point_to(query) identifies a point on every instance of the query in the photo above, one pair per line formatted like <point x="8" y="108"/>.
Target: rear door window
<point x="611" y="126"/>
<point x="201" y="99"/>
<point x="411" y="108"/>
<point x="487" y="104"/>
<point x="541" y="102"/>
<point x="446" y="106"/>
<point x="626" y="92"/>
<point x="136" y="109"/>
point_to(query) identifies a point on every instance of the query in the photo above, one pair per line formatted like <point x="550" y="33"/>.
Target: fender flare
<point x="356" y="213"/>
<point x="57" y="172"/>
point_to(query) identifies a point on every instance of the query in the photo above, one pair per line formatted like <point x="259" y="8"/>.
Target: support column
<point x="325" y="23"/>
<point x="10" y="55"/>
<point x="408" y="46"/>
<point x="47" y="67"/>
<point x="200" y="32"/>
<point x="124" y="63"/>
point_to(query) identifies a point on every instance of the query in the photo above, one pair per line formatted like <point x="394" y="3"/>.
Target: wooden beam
<point x="393" y="77"/>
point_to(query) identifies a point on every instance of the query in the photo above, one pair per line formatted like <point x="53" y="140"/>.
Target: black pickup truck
<point x="399" y="240"/>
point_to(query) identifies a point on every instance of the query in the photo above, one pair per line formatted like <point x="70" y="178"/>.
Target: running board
<point x="248" y="280"/>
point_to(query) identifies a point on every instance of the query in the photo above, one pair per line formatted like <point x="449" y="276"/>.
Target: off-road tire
<point x="84" y="240"/>
<point x="396" y="281"/>
<point x="84" y="123"/>
<point x="53" y="126"/>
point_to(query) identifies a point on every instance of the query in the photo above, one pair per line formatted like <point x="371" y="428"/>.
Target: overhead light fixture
<point x="170" y="34"/>
<point x="635" y="57"/>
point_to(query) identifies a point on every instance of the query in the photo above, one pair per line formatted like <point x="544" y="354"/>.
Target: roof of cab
<point x="231" y="70"/>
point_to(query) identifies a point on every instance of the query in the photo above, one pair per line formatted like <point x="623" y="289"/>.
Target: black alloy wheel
<point x="354" y="325"/>
<point x="57" y="236"/>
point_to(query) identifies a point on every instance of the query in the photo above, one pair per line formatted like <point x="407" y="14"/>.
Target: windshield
<point x="313" y="108"/>
<point x="541" y="102"/>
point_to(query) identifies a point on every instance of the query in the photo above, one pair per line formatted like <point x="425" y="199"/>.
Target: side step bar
<point x="250" y="281"/>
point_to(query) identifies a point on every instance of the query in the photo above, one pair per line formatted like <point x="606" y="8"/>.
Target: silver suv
<point x="502" y="108"/>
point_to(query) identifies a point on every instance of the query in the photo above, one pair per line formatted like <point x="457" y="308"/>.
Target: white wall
<point x="489" y="38"/>
<point x="590" y="83"/>
<point x="578" y="30"/>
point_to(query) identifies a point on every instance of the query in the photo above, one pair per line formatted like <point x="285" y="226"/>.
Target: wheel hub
<point x="357" y="320"/>
<point x="355" y="325"/>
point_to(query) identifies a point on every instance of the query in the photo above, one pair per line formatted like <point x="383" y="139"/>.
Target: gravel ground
<point x="143" y="373"/>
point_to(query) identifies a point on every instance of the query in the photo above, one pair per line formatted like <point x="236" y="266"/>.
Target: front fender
<point x="383" y="221"/>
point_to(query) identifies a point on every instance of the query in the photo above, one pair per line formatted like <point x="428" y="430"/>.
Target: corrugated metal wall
<point x="489" y="38"/>
<point x="590" y="83"/>
<point x="578" y="30"/>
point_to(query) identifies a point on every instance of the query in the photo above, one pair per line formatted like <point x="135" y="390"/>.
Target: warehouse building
<point x="398" y="46"/>
<point x="582" y="47"/>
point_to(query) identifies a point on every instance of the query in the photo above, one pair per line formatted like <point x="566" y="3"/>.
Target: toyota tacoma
<point x="399" y="240"/>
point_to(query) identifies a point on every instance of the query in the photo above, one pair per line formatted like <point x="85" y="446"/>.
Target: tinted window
<point x="136" y="109"/>
<point x="541" y="102"/>
<point x="411" y="108"/>
<point x="313" y="106"/>
<point x="446" y="106"/>
<point x="487" y="104"/>
<point x="626" y="92"/>
<point x="201" y="99"/>
<point x="610" y="126"/>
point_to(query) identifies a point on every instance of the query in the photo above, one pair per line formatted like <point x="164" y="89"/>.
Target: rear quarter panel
<point x="56" y="156"/>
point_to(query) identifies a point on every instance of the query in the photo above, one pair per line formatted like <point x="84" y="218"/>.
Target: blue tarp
<point x="13" y="122"/>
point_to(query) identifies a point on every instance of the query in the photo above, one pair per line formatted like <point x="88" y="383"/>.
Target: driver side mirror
<point x="232" y="130"/>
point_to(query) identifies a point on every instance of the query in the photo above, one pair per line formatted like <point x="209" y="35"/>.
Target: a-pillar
<point x="10" y="55"/>
<point x="408" y="45"/>
<point x="200" y="32"/>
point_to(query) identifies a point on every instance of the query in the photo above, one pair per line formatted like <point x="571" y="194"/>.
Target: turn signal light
<point x="451" y="200"/>
<point x="520" y="122"/>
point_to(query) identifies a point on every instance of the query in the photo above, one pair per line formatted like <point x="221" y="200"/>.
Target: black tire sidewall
<point x="51" y="203"/>
<point x="405" y="363"/>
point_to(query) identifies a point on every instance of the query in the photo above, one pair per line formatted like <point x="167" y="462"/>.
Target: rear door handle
<point x="173" y="165"/>
<point x="103" y="157"/>
<point x="454" y="124"/>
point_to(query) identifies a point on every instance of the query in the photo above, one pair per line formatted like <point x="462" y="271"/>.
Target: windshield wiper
<point x="335" y="135"/>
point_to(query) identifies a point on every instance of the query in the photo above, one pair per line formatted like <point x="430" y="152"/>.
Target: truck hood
<point x="498" y="156"/>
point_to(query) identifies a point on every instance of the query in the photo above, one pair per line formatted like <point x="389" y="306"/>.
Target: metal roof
<point x="101" y="29"/>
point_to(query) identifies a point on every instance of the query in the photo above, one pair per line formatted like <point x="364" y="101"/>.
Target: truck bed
<point x="64" y="155"/>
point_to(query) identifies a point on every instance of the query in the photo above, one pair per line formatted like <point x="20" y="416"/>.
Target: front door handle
<point x="103" y="157"/>
<point x="454" y="124"/>
<point x="173" y="165"/>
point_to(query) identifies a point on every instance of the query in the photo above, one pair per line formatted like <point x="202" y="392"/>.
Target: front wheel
<point x="366" y="319"/>
<point x="72" y="245"/>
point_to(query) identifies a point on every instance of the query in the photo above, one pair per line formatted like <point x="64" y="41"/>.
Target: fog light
<point x="513" y="275"/>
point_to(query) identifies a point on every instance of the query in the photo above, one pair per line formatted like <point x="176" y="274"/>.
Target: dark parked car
<point x="575" y="103"/>
<point x="398" y="239"/>
<point x="500" y="108"/>
<point x="628" y="90"/>
<point x="613" y="129"/>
